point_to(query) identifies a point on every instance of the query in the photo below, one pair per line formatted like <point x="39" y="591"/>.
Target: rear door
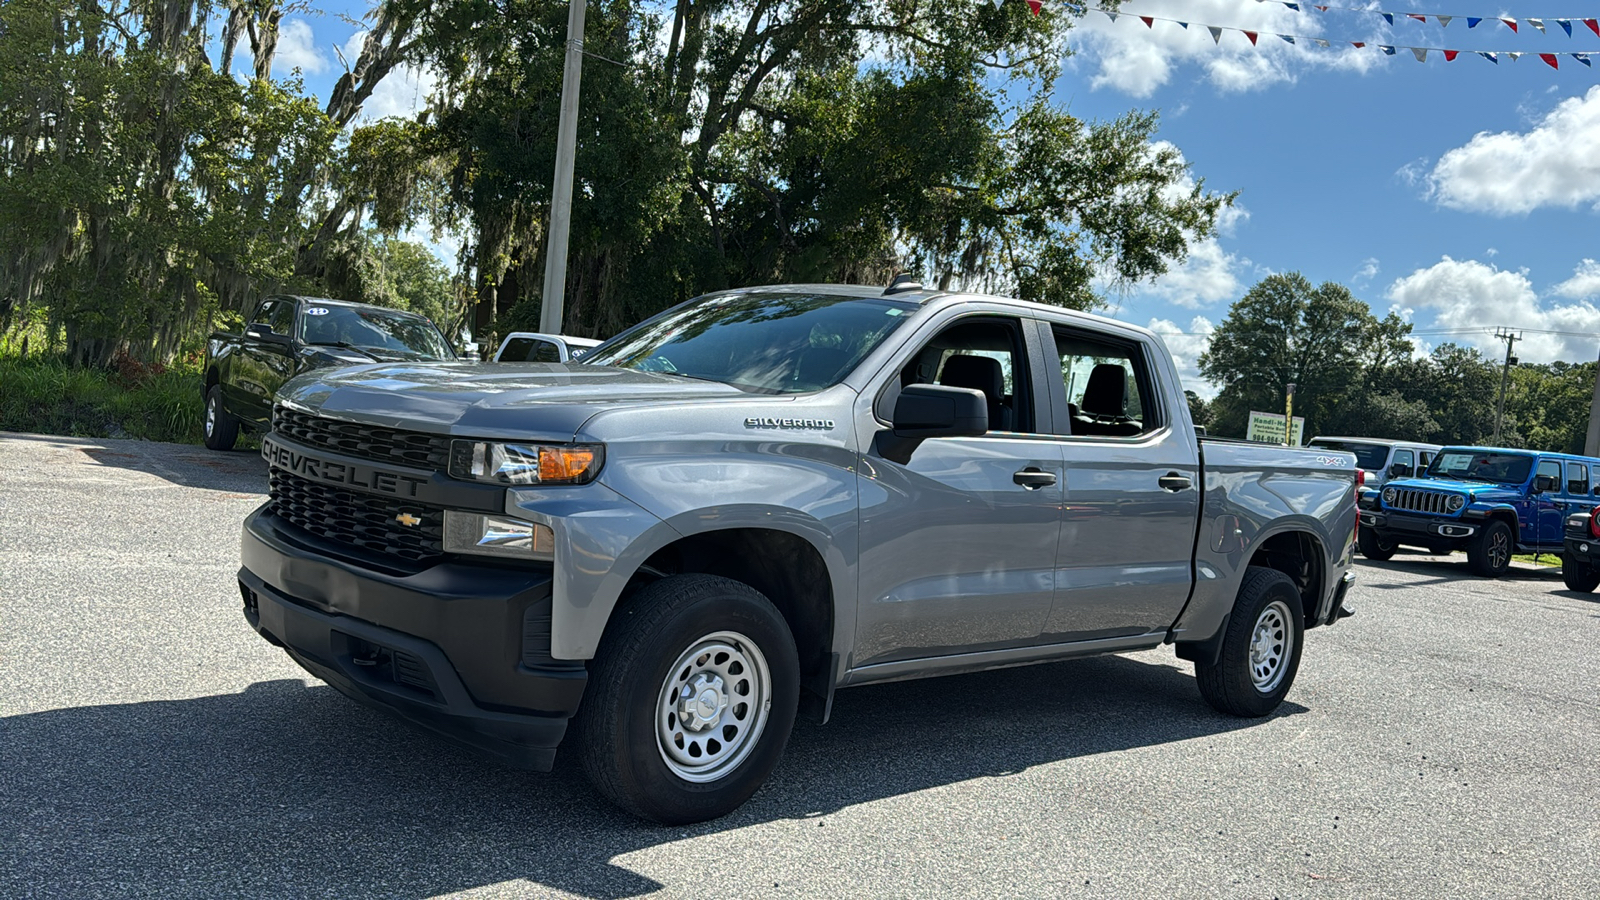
<point x="1132" y="498"/>
<point x="1550" y="509"/>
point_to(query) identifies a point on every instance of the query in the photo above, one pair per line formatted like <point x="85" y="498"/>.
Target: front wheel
<point x="1490" y="554"/>
<point x="1579" y="576"/>
<point x="1375" y="547"/>
<point x="1260" y="650"/>
<point x="691" y="698"/>
<point x="222" y="430"/>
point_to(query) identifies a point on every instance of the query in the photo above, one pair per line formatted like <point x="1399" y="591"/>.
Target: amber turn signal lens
<point x="559" y="465"/>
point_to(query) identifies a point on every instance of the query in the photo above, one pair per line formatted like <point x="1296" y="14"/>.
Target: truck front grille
<point x="1430" y="502"/>
<point x="386" y="445"/>
<point x="360" y="520"/>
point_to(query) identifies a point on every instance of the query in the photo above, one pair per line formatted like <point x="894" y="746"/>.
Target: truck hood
<point x="528" y="401"/>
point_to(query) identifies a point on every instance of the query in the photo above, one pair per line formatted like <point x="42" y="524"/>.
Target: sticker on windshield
<point x="893" y="312"/>
<point x="317" y="311"/>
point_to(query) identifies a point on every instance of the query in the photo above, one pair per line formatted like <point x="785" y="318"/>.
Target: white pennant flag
<point x="1444" y="21"/>
<point x="998" y="3"/>
<point x="1110" y="15"/>
<point x="1537" y="23"/>
<point x="1514" y="56"/>
<point x="1320" y="42"/>
<point x="1421" y="53"/>
<point x="1216" y="34"/>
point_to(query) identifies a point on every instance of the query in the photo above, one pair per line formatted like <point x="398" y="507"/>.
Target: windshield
<point x="1476" y="465"/>
<point x="760" y="342"/>
<point x="403" y="334"/>
<point x="1368" y="456"/>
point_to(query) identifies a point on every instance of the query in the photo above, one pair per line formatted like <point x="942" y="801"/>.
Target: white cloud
<point x="1369" y="270"/>
<point x="297" y="49"/>
<point x="1552" y="164"/>
<point x="1137" y="60"/>
<point x="1476" y="297"/>
<point x="1186" y="348"/>
<point x="403" y="92"/>
<point x="1583" y="285"/>
<point x="1207" y="276"/>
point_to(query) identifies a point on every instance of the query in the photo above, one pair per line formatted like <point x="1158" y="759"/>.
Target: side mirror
<point x="1399" y="470"/>
<point x="925" y="411"/>
<point x="1544" y="484"/>
<point x="261" y="331"/>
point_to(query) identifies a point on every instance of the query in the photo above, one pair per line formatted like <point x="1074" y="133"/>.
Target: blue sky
<point x="1464" y="194"/>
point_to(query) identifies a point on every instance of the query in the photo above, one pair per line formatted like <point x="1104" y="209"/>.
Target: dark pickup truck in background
<point x="288" y="335"/>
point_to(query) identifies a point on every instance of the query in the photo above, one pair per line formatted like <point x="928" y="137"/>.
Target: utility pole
<point x="1504" y="334"/>
<point x="1288" y="416"/>
<point x="555" y="254"/>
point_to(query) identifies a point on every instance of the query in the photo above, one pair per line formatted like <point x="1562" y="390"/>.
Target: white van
<point x="1382" y="458"/>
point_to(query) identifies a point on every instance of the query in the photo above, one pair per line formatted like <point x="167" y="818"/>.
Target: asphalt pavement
<point x="1443" y="742"/>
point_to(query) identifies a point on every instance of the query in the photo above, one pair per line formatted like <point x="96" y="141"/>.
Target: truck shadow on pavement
<point x="186" y="465"/>
<point x="1454" y="568"/>
<point x="285" y="789"/>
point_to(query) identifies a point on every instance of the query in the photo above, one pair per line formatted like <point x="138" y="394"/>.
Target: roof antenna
<point x="903" y="282"/>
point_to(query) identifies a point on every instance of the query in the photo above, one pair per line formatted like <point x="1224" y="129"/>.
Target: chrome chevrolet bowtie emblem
<point x="408" y="520"/>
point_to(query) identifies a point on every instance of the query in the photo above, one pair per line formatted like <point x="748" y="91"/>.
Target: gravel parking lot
<point x="1443" y="742"/>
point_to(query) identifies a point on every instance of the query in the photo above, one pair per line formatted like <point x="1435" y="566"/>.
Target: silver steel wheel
<point x="1270" y="646"/>
<point x="713" y="706"/>
<point x="211" y="416"/>
<point x="1499" y="549"/>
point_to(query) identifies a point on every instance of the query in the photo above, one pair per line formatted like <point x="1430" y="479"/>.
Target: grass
<point x="44" y="394"/>
<point x="1553" y="560"/>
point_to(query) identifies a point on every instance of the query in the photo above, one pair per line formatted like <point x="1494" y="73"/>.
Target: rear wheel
<point x="1375" y="547"/>
<point x="1260" y="650"/>
<point x="222" y="430"/>
<point x="1579" y="576"/>
<point x="691" y="698"/>
<point x="1489" y="554"/>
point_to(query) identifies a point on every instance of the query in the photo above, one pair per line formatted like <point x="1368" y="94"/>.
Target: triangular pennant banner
<point x="1583" y="58"/>
<point x="1472" y="21"/>
<point x="1184" y="25"/>
<point x="998" y="3"/>
<point x="1566" y="25"/>
<point x="1514" y="55"/>
<point x="1550" y="60"/>
<point x="1216" y="34"/>
<point x="1320" y="42"/>
<point x="1444" y="21"/>
<point x="1252" y="36"/>
<point x="1537" y="23"/>
<point x="1386" y="49"/>
<point x="1322" y="9"/>
<point x="1491" y="57"/>
<point x="1387" y="17"/>
<point x="1594" y="25"/>
<point x="1035" y="6"/>
<point x="1358" y="44"/>
<point x="1419" y="17"/>
<point x="1511" y="24"/>
<point x="1450" y="55"/>
<point x="1110" y="15"/>
<point x="1149" y="21"/>
<point x="1421" y="53"/>
<point x="1293" y="6"/>
<point x="1287" y="37"/>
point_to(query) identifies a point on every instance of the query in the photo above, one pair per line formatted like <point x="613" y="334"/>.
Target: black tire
<point x="1374" y="547"/>
<point x="1489" y="554"/>
<point x="1579" y="576"/>
<point x="617" y="727"/>
<point x="1268" y="600"/>
<point x="1441" y="550"/>
<point x="221" y="429"/>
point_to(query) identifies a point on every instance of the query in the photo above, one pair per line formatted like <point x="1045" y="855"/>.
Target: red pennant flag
<point x="1450" y="55"/>
<point x="1358" y="44"/>
<point x="1422" y="19"/>
<point x="1036" y="5"/>
<point x="1511" y="24"/>
<point x="1321" y="8"/>
<point x="1252" y="36"/>
<point x="1551" y="59"/>
<point x="1149" y="21"/>
<point x="1594" y="25"/>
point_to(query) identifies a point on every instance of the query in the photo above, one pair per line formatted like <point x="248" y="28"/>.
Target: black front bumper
<point x="1583" y="549"/>
<point x="460" y="648"/>
<point x="1424" y="530"/>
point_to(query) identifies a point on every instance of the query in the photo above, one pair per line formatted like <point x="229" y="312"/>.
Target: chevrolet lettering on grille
<point x="331" y="472"/>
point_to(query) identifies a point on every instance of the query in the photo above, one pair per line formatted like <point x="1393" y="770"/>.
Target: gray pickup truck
<point x="735" y="508"/>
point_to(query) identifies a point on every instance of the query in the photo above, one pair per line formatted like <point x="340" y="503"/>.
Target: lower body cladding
<point x="462" y="649"/>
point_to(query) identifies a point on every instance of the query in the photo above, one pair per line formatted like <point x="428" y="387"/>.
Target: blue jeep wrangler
<point x="1488" y="501"/>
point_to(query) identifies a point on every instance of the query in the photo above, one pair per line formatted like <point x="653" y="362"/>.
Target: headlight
<point x="1455" y="503"/>
<point x="525" y="463"/>
<point x="1389" y="494"/>
<point x="466" y="532"/>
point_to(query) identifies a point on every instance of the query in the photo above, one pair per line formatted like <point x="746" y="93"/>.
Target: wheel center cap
<point x="701" y="702"/>
<point x="707" y="703"/>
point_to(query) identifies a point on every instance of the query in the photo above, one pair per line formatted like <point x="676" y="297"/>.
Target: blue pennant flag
<point x="1386" y="49"/>
<point x="1472" y="21"/>
<point x="1583" y="58"/>
<point x="1287" y="37"/>
<point x="1489" y="56"/>
<point x="1293" y="6"/>
<point x="1387" y="17"/>
<point x="1566" y="25"/>
<point x="1184" y="25"/>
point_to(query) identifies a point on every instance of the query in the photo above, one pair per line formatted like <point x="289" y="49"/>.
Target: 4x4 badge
<point x="408" y="520"/>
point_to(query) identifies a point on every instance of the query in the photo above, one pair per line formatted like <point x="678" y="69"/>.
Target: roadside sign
<point x="1267" y="428"/>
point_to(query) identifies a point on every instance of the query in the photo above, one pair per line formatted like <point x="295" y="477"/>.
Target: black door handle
<point x="1034" y="478"/>
<point x="1172" y="481"/>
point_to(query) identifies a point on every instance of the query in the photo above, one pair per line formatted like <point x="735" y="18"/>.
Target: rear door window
<point x="1578" y="479"/>
<point x="1108" y="386"/>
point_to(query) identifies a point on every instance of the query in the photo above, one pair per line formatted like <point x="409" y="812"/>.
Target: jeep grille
<point x="1430" y="502"/>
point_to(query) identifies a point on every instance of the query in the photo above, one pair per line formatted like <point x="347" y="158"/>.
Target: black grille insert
<point x="385" y="445"/>
<point x="360" y="520"/>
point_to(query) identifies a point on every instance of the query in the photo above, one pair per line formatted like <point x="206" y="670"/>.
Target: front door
<point x="1132" y="493"/>
<point x="958" y="545"/>
<point x="1550" y="510"/>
